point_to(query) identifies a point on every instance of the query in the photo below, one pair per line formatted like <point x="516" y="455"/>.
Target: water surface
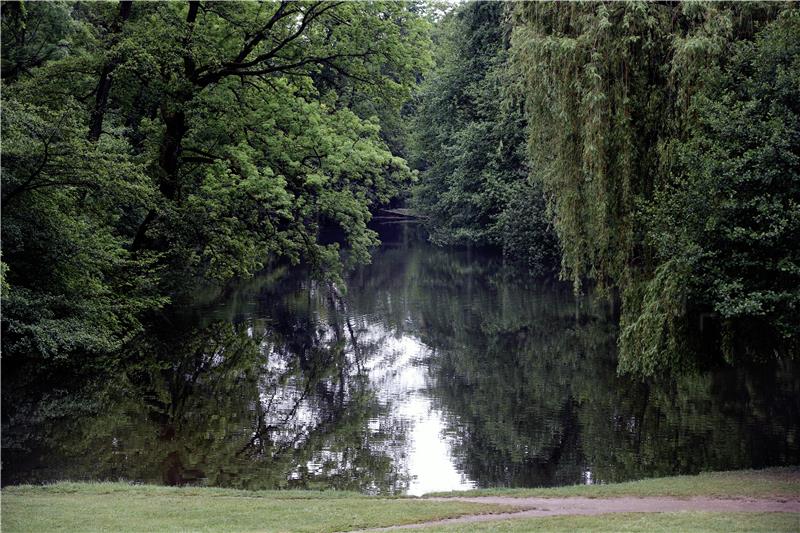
<point x="436" y="369"/>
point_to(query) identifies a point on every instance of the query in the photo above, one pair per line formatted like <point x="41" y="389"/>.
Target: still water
<point x="436" y="369"/>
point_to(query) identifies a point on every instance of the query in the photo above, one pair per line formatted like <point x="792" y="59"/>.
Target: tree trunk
<point x="104" y="84"/>
<point x="169" y="153"/>
<point x="170" y="149"/>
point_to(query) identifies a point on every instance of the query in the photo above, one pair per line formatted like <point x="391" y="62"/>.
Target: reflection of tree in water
<point x="716" y="420"/>
<point x="527" y="377"/>
<point x="268" y="402"/>
<point x="285" y="385"/>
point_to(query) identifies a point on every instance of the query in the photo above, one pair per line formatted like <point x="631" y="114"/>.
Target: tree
<point x="471" y="145"/>
<point x="73" y="293"/>
<point x="726" y="225"/>
<point x="614" y="96"/>
<point x="33" y="33"/>
<point x="150" y="147"/>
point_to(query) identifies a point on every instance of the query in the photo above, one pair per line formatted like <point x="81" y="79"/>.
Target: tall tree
<point x="149" y="145"/>
<point x="613" y="91"/>
<point x="725" y="226"/>
<point x="474" y="186"/>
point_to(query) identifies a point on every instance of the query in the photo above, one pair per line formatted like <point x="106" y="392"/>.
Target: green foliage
<point x="71" y="290"/>
<point x="665" y="138"/>
<point x="595" y="85"/>
<point x="256" y="138"/>
<point x="470" y="145"/>
<point x="148" y="147"/>
<point x="725" y="226"/>
<point x="32" y="34"/>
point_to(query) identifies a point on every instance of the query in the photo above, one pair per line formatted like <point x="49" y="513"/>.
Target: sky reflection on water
<point x="437" y="369"/>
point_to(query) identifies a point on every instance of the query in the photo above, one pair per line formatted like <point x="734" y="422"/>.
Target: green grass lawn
<point x="93" y="507"/>
<point x="642" y="523"/>
<point x="767" y="483"/>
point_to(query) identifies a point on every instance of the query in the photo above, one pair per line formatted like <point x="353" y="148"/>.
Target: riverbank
<point x="715" y="502"/>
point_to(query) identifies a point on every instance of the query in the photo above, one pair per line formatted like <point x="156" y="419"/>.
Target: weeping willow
<point x="610" y="91"/>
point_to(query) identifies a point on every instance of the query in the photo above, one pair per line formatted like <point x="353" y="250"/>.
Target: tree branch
<point x="239" y="65"/>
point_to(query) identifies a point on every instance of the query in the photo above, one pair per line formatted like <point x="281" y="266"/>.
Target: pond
<point x="436" y="369"/>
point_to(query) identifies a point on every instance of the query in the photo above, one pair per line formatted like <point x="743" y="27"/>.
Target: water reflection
<point x="435" y="370"/>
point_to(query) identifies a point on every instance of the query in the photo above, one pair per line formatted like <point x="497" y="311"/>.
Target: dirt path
<point x="538" y="507"/>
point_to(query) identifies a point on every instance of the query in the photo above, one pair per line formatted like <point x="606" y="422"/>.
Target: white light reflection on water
<point x="398" y="376"/>
<point x="401" y="382"/>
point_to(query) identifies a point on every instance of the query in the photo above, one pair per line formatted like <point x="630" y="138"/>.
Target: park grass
<point x="686" y="522"/>
<point x="96" y="507"/>
<point x="766" y="483"/>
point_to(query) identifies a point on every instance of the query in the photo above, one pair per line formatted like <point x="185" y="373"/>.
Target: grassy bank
<point x="94" y="507"/>
<point x="767" y="483"/>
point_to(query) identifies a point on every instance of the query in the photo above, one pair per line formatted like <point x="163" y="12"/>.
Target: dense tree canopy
<point x="725" y="227"/>
<point x="665" y="137"/>
<point x="150" y="144"/>
<point x="657" y="141"/>
<point x="470" y="144"/>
